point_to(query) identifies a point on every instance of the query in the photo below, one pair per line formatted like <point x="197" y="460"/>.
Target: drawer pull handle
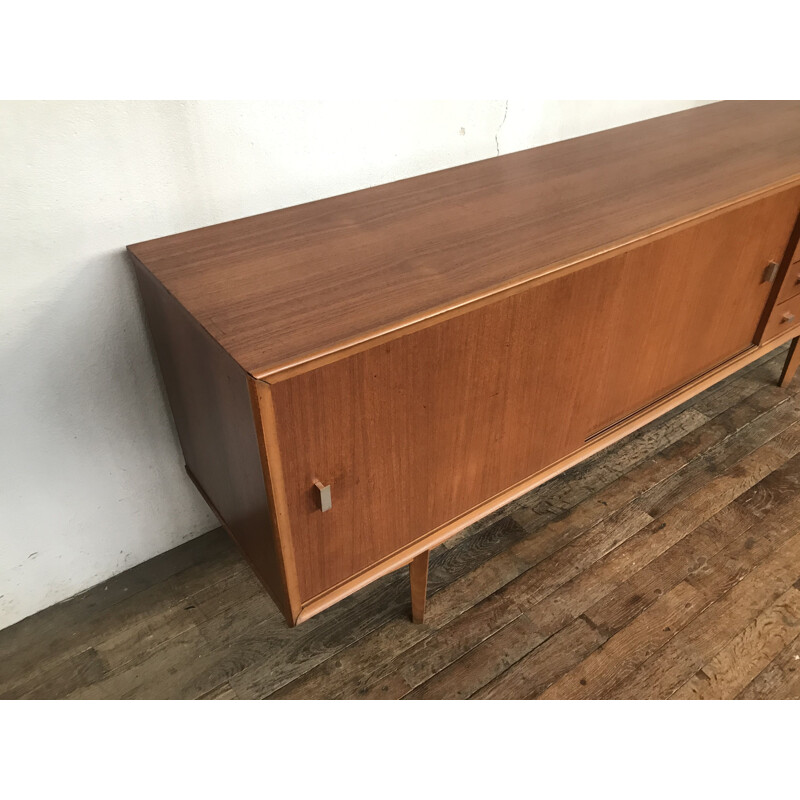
<point x="787" y="317"/>
<point x="797" y="281"/>
<point x="770" y="272"/>
<point x="324" y="496"/>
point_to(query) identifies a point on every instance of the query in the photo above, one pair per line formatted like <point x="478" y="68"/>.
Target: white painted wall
<point x="91" y="475"/>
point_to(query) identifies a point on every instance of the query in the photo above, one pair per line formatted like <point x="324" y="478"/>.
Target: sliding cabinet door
<point x="419" y="430"/>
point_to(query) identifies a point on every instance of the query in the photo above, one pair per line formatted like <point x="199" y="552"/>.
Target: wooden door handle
<point x="787" y="317"/>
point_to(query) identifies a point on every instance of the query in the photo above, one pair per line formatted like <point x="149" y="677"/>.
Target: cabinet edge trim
<point x="272" y="470"/>
<point x="348" y="347"/>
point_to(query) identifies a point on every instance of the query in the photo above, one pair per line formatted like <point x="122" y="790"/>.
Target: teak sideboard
<point x="355" y="380"/>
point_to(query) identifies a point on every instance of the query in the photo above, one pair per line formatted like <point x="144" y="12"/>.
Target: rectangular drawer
<point x="784" y="316"/>
<point x="796" y="256"/>
<point x="791" y="282"/>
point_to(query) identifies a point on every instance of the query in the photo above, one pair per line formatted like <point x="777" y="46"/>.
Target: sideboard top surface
<point x="281" y="288"/>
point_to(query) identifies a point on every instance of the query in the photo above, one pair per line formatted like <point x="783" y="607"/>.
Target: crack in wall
<point x="496" y="136"/>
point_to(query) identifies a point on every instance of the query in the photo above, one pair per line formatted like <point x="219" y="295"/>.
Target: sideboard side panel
<point x="214" y="415"/>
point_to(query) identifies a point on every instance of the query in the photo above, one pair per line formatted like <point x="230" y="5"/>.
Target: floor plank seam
<point x="712" y="602"/>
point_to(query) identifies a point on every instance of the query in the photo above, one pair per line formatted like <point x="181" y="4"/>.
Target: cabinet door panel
<point x="683" y="304"/>
<point x="418" y="430"/>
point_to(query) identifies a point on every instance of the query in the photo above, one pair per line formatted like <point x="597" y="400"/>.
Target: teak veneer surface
<point x="416" y="431"/>
<point x="278" y="289"/>
<point x="213" y="414"/>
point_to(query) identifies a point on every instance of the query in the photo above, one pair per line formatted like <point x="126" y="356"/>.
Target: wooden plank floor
<point x="666" y="566"/>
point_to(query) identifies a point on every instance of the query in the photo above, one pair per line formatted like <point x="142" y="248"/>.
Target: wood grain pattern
<point x="425" y="428"/>
<point x="780" y="680"/>
<point x="287" y="286"/>
<point x="672" y="665"/>
<point x="540" y="666"/>
<point x="622" y="654"/>
<point x="194" y="623"/>
<point x="475" y="669"/>
<point x="211" y="405"/>
<point x="748" y="653"/>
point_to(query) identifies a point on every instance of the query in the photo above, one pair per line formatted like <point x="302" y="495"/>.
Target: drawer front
<point x="790" y="286"/>
<point x="796" y="256"/>
<point x="784" y="316"/>
<point x="791" y="282"/>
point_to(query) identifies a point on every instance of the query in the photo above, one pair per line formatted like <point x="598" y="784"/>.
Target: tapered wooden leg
<point x="792" y="363"/>
<point x="418" y="571"/>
